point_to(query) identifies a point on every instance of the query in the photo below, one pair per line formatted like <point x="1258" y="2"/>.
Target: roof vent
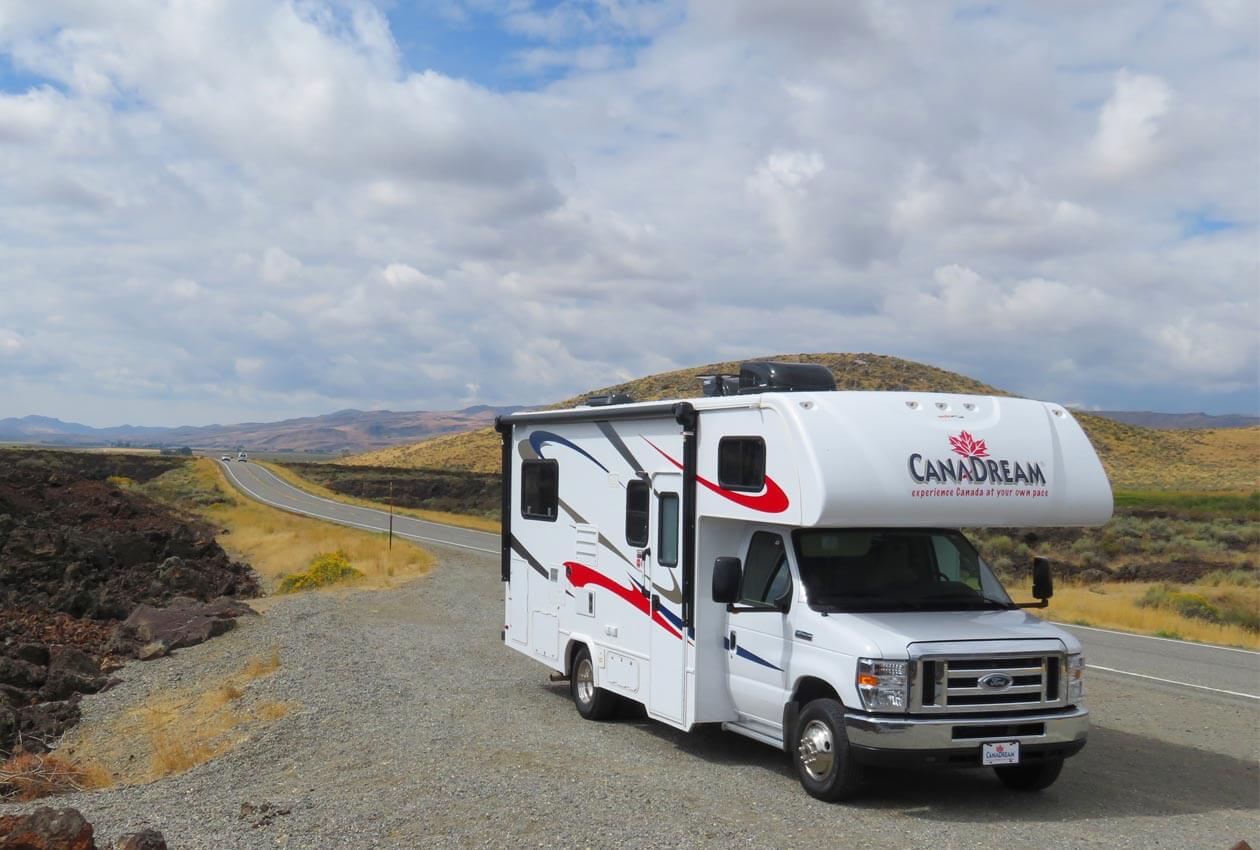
<point x="769" y="377"/>
<point x="606" y="400"/>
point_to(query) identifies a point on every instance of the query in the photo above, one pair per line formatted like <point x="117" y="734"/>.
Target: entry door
<point x="756" y="635"/>
<point x="668" y="642"/>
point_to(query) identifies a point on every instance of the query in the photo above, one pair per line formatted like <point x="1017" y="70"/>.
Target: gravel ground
<point x="416" y="726"/>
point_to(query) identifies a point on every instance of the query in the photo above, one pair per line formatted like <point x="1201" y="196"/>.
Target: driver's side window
<point x="766" y="573"/>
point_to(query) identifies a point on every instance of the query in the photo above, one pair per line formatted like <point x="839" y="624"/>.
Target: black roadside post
<point x="391" y="515"/>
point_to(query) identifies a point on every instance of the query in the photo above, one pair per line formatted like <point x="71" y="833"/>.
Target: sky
<point x="227" y="210"/>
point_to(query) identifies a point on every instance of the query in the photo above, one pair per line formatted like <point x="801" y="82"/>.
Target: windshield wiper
<point x="983" y="602"/>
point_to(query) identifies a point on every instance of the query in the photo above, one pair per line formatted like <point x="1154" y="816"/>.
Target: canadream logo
<point x="973" y="466"/>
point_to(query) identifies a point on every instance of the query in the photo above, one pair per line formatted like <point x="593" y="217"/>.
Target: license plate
<point x="1003" y="752"/>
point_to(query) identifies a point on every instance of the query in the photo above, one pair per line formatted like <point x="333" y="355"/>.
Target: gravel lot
<point x="416" y="727"/>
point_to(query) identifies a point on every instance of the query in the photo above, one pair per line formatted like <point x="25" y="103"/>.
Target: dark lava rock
<point x="46" y="829"/>
<point x="79" y="555"/>
<point x="42" y="724"/>
<point x="185" y="622"/>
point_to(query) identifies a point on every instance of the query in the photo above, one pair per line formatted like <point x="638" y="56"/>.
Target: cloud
<point x="275" y="192"/>
<point x="1129" y="123"/>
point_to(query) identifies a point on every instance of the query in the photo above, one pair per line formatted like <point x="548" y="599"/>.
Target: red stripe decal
<point x="581" y="575"/>
<point x="772" y="501"/>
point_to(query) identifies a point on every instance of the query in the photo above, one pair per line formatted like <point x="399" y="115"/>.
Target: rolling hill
<point x="345" y="430"/>
<point x="1135" y="457"/>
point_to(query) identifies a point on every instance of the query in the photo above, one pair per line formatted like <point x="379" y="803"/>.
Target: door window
<point x="667" y="545"/>
<point x="766" y="574"/>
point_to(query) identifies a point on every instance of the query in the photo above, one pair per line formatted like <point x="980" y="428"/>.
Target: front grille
<point x="949" y="684"/>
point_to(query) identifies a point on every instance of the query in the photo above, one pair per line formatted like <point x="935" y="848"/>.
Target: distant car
<point x="241" y="457"/>
<point x="226" y="457"/>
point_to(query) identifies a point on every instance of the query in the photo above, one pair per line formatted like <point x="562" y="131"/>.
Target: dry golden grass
<point x="1114" y="605"/>
<point x="30" y="776"/>
<point x="462" y="520"/>
<point x="259" y="666"/>
<point x="169" y="733"/>
<point x="1200" y="460"/>
<point x="475" y="451"/>
<point x="276" y="543"/>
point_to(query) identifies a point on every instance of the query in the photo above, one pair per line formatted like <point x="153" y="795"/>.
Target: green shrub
<point x="1195" y="607"/>
<point x="328" y="568"/>
<point x="1189" y="605"/>
<point x="1169" y="633"/>
<point x="1234" y="578"/>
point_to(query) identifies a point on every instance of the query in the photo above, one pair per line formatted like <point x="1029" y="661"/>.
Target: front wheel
<point x="823" y="762"/>
<point x="592" y="702"/>
<point x="1030" y="777"/>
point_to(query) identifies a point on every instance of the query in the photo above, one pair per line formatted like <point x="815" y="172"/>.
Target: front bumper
<point x="956" y="740"/>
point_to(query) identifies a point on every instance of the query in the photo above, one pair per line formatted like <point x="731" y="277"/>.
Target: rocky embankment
<point x="93" y="573"/>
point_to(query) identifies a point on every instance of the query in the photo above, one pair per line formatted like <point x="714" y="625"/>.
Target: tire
<point x="821" y="752"/>
<point x="592" y="702"/>
<point x="1030" y="777"/>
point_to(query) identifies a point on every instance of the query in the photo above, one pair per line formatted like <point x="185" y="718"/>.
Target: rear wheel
<point x="823" y="762"/>
<point x="592" y="702"/>
<point x="1030" y="777"/>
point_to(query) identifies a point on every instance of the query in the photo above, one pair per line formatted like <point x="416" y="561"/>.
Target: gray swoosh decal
<point x="674" y="595"/>
<point x="622" y="449"/>
<point x="519" y="549"/>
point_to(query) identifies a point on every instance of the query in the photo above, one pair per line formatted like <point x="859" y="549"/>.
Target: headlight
<point x="1075" y="678"/>
<point x="883" y="684"/>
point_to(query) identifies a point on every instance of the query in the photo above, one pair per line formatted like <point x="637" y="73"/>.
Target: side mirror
<point x="1043" y="581"/>
<point x="727" y="573"/>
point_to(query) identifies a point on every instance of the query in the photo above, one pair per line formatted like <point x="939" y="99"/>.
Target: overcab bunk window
<point x="742" y="463"/>
<point x="540" y="489"/>
<point x="637" y="495"/>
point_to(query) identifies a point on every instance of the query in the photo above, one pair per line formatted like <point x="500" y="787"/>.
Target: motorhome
<point x="787" y="560"/>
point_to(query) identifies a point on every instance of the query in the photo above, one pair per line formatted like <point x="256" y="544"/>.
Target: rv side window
<point x="637" y="495"/>
<point x="742" y="463"/>
<point x="766" y="574"/>
<point x="540" y="489"/>
<point x="667" y="545"/>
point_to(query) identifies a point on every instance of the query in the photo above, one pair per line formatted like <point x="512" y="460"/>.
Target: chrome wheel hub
<point x="817" y="749"/>
<point x="584" y="678"/>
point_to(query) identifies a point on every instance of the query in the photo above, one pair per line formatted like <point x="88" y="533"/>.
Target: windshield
<point x="892" y="569"/>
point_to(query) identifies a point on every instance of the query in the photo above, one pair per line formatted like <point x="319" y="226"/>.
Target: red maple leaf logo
<point x="967" y="446"/>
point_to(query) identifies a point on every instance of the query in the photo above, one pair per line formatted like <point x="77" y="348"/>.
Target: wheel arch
<point x="806" y="690"/>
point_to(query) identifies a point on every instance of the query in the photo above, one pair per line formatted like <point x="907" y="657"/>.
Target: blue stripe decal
<point x="540" y="438"/>
<point x="743" y="653"/>
<point x="756" y="659"/>
<point x="673" y="618"/>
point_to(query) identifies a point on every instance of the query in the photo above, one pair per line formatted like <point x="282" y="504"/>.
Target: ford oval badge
<point x="996" y="682"/>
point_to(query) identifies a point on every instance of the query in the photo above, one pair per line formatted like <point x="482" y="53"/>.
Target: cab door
<point x="757" y="640"/>
<point x="667" y="644"/>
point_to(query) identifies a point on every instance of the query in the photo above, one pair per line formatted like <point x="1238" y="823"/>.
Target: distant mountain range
<point x="343" y="431"/>
<point x="1148" y="419"/>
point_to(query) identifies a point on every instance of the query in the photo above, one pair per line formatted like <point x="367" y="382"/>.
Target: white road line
<point x="308" y="494"/>
<point x="1172" y="682"/>
<point x="1152" y="637"/>
<point x="294" y="510"/>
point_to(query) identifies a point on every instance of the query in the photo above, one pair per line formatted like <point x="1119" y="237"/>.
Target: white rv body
<point x="643" y="609"/>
